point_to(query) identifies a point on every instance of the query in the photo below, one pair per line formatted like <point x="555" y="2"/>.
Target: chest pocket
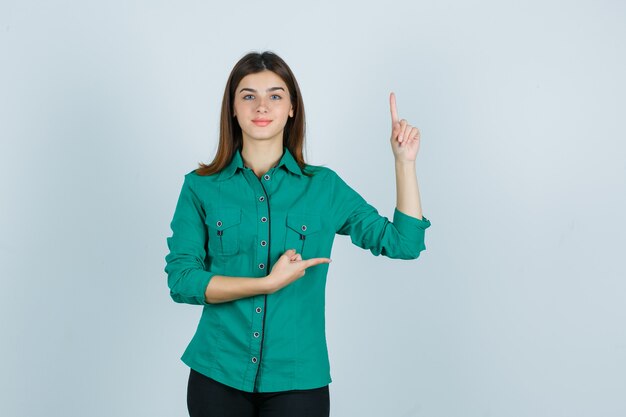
<point x="223" y="227"/>
<point x="301" y="229"/>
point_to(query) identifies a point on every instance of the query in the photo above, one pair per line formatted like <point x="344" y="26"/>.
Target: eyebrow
<point x="269" y="89"/>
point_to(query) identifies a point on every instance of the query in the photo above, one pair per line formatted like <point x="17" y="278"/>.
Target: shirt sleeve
<point x="401" y="239"/>
<point x="187" y="276"/>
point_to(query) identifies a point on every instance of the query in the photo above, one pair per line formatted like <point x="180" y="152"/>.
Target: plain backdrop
<point x="516" y="308"/>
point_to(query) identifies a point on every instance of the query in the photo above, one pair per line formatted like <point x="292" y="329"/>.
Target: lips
<point x="261" y="122"/>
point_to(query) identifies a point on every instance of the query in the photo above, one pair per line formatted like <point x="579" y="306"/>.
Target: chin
<point x="266" y="137"/>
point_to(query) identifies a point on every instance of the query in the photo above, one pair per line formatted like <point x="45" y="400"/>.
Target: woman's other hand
<point x="405" y="139"/>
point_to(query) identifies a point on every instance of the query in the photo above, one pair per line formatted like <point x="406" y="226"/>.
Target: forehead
<point x="261" y="81"/>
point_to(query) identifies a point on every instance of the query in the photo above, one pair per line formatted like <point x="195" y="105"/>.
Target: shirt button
<point x="256" y="334"/>
<point x="254" y="360"/>
<point x="261" y="198"/>
<point x="266" y="177"/>
<point x="263" y="243"/>
<point x="258" y="309"/>
<point x="219" y="223"/>
<point x="263" y="219"/>
<point x="304" y="227"/>
<point x="261" y="266"/>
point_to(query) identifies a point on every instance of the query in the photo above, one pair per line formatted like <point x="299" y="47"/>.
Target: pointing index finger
<point x="316" y="261"/>
<point x="394" y="109"/>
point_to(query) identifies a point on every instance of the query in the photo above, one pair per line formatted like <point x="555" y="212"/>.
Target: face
<point x="262" y="106"/>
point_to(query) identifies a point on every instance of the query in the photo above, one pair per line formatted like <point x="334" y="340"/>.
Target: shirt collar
<point x="236" y="163"/>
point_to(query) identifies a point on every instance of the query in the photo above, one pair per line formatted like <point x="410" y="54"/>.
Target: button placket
<point x="256" y="328"/>
<point x="263" y="210"/>
<point x="261" y="265"/>
<point x="263" y="226"/>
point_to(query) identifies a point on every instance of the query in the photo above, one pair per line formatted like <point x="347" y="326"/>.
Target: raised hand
<point x="289" y="267"/>
<point x="405" y="139"/>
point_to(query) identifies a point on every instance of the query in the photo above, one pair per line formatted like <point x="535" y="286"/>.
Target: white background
<point x="516" y="308"/>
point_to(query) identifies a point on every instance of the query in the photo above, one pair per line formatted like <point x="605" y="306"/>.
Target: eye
<point x="275" y="97"/>
<point x="248" y="97"/>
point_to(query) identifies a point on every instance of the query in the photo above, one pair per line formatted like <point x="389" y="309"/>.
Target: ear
<point x="291" y="112"/>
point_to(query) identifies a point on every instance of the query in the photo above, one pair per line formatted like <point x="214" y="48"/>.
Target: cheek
<point x="240" y="108"/>
<point x="287" y="110"/>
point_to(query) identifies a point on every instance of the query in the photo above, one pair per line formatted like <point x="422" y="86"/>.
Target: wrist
<point x="404" y="163"/>
<point x="267" y="285"/>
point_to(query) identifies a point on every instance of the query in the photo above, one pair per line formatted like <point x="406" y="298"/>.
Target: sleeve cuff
<point x="193" y="289"/>
<point x="401" y="220"/>
<point x="203" y="283"/>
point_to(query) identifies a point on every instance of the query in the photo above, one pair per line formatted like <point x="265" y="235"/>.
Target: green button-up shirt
<point x="236" y="224"/>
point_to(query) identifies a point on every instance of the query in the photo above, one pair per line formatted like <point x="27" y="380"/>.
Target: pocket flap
<point x="304" y="223"/>
<point x="223" y="218"/>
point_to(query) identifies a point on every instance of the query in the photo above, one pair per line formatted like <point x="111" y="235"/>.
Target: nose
<point x="262" y="106"/>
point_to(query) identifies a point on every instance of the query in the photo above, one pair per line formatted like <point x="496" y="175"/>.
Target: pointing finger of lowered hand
<point x="316" y="261"/>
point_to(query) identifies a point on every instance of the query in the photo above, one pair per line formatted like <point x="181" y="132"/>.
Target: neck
<point x="261" y="156"/>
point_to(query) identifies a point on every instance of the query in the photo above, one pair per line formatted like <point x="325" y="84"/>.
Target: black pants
<point x="209" y="398"/>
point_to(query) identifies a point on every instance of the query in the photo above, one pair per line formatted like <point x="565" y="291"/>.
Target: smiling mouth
<point x="261" y="122"/>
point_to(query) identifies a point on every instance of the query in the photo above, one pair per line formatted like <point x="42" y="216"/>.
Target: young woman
<point x="252" y="236"/>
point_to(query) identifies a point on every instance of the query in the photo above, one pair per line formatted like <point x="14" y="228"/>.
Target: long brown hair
<point x="231" y="138"/>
